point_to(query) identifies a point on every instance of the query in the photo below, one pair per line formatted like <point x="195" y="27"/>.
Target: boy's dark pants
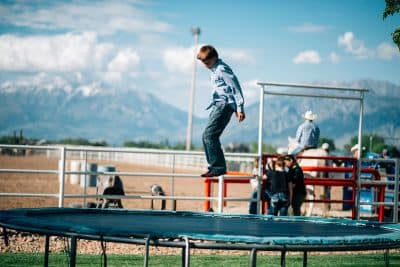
<point x="219" y="118"/>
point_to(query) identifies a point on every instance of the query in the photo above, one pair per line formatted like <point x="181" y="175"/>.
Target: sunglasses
<point x="204" y="60"/>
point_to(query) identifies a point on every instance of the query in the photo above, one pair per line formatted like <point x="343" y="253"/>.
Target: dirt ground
<point x="133" y="185"/>
<point x="48" y="183"/>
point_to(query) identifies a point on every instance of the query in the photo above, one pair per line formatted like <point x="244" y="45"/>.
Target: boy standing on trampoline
<point x="227" y="98"/>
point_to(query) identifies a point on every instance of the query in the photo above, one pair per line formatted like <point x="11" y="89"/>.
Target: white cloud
<point x="101" y="54"/>
<point x="104" y="17"/>
<point x="90" y="89"/>
<point x="307" y="57"/>
<point x="179" y="59"/>
<point x="125" y="61"/>
<point x="59" y="53"/>
<point x="236" y="55"/>
<point x="112" y="77"/>
<point x="307" y="28"/>
<point x="387" y="51"/>
<point x="334" y="57"/>
<point x="354" y="46"/>
<point x="251" y="91"/>
<point x="124" y="64"/>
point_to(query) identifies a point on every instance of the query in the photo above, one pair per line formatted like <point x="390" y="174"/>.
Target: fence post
<point x="61" y="177"/>
<point x="396" y="192"/>
<point x="173" y="183"/>
<point x="260" y="145"/>
<point x="220" y="193"/>
<point x="358" y="190"/>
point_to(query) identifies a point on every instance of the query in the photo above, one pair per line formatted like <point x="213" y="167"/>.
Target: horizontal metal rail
<point x="313" y="95"/>
<point x="377" y="203"/>
<point x="122" y="150"/>
<point x="100" y="196"/>
<point x="144" y="174"/>
<point x="156" y="174"/>
<point x="29" y="171"/>
<point x="30" y="147"/>
<point x="29" y="195"/>
<point x="310" y="86"/>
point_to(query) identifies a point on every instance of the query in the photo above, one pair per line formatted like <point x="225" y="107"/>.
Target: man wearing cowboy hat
<point x="307" y="134"/>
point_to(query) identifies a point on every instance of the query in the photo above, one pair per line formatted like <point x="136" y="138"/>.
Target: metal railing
<point x="63" y="153"/>
<point x="391" y="180"/>
<point x="335" y="92"/>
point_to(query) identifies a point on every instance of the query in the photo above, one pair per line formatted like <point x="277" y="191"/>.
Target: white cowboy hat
<point x="309" y="115"/>
<point x="354" y="148"/>
<point x="325" y="146"/>
<point x="281" y="150"/>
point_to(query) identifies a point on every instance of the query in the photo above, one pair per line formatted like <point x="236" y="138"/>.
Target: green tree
<point x="393" y="7"/>
<point x="331" y="142"/>
<point x="163" y="145"/>
<point x="80" y="142"/>
<point x="8" y="140"/>
<point x="373" y="143"/>
<point x="266" y="148"/>
<point x="74" y="141"/>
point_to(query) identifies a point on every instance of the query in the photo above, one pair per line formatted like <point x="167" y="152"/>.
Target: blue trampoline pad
<point x="197" y="225"/>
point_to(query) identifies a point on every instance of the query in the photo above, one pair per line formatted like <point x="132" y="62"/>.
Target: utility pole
<point x="195" y="32"/>
<point x="370" y="143"/>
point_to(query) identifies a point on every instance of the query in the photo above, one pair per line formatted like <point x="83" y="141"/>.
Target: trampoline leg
<point x="283" y="258"/>
<point x="183" y="256"/>
<point x="386" y="257"/>
<point x="46" y="251"/>
<point x="174" y="205"/>
<point x="104" y="254"/>
<point x="186" y="253"/>
<point x="305" y="259"/>
<point x="253" y="258"/>
<point x="72" y="252"/>
<point x="146" y="252"/>
<point x="5" y="237"/>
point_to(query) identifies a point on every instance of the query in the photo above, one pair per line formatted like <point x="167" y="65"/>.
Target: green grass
<point x="361" y="260"/>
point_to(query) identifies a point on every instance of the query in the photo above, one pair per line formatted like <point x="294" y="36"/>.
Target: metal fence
<point x="242" y="162"/>
<point x="389" y="176"/>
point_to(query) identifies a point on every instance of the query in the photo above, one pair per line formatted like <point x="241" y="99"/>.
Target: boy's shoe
<point x="212" y="174"/>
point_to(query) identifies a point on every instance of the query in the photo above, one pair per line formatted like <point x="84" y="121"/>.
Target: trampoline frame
<point x="186" y="243"/>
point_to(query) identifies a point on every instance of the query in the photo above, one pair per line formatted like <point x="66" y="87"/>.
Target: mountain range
<point x="118" y="116"/>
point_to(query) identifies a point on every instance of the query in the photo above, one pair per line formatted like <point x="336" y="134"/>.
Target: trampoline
<point x="188" y="230"/>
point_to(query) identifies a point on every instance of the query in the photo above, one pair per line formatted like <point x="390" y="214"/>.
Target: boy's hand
<point x="241" y="116"/>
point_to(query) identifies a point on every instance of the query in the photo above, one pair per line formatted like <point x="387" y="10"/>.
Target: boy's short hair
<point x="289" y="157"/>
<point x="279" y="161"/>
<point x="207" y="52"/>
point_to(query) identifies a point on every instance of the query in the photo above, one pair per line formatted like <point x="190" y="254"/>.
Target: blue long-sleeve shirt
<point x="307" y="134"/>
<point x="226" y="86"/>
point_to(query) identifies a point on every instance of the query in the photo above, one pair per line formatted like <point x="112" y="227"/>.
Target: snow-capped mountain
<point x="116" y="116"/>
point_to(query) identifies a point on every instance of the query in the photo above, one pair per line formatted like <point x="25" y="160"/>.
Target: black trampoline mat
<point x="125" y="223"/>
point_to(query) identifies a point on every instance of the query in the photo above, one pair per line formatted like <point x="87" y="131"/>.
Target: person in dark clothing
<point x="115" y="187"/>
<point x="278" y="188"/>
<point x="296" y="179"/>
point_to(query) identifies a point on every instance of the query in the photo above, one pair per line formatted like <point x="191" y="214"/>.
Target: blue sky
<point x="147" y="45"/>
